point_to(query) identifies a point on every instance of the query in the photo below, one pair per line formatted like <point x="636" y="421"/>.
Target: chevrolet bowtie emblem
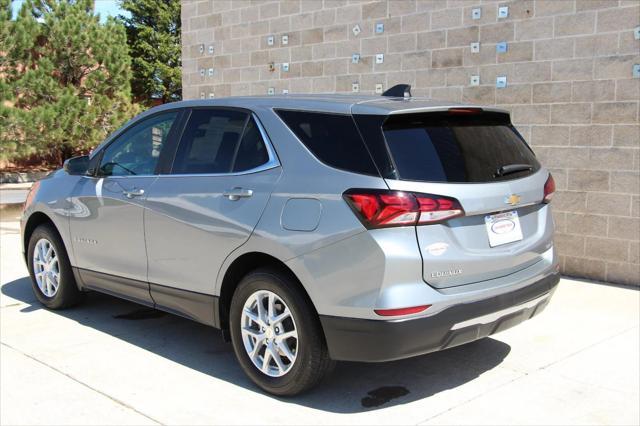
<point x="512" y="199"/>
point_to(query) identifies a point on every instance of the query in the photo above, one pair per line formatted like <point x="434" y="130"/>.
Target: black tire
<point x="312" y="359"/>
<point x="67" y="293"/>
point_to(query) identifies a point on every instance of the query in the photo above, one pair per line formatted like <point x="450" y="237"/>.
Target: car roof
<point x="332" y="103"/>
<point x="328" y="103"/>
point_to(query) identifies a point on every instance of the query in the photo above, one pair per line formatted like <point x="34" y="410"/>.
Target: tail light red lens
<point x="383" y="208"/>
<point x="464" y="111"/>
<point x="549" y="189"/>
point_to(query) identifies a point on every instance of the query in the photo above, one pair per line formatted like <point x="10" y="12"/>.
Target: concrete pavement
<point x="111" y="361"/>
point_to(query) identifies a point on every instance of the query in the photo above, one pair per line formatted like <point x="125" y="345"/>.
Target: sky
<point x="103" y="7"/>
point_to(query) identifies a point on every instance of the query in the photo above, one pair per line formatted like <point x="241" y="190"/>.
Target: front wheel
<point x="51" y="275"/>
<point x="276" y="334"/>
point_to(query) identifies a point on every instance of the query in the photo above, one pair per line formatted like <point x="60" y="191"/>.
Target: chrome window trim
<point x="271" y="163"/>
<point x="119" y="176"/>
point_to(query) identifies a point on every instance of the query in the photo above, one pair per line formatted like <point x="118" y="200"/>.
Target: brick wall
<point x="570" y="86"/>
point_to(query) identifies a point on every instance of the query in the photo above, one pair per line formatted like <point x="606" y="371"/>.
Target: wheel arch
<point x="36" y="219"/>
<point x="242" y="265"/>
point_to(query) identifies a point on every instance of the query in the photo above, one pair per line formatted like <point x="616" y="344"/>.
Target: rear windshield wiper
<point x="512" y="168"/>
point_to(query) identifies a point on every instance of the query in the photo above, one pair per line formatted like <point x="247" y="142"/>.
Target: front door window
<point x="137" y="150"/>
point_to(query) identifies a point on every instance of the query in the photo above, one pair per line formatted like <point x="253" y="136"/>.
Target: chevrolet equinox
<point x="308" y="228"/>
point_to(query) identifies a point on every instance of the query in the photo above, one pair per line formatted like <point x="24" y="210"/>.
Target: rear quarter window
<point x="332" y="139"/>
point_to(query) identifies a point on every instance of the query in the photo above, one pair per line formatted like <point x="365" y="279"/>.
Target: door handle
<point x="133" y="193"/>
<point x="235" y="194"/>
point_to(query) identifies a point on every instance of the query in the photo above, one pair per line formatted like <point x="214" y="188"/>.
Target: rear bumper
<point x="352" y="339"/>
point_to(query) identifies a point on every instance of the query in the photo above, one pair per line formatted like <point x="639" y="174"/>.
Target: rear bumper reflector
<point x="401" y="311"/>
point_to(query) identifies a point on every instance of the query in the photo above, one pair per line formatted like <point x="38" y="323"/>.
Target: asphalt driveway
<point x="114" y="362"/>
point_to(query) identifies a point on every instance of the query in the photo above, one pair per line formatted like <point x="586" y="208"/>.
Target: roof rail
<point x="399" y="91"/>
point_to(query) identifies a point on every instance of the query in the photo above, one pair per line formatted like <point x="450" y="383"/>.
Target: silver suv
<point x="309" y="229"/>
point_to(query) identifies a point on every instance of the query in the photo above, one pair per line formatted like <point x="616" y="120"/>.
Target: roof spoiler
<point x="399" y="91"/>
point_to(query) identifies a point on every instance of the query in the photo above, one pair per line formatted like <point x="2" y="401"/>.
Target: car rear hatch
<point x="478" y="158"/>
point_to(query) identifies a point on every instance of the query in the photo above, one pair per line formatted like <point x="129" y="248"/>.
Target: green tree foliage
<point x="65" y="80"/>
<point x="153" y="34"/>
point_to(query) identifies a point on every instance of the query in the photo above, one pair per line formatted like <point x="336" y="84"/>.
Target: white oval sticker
<point x="436" y="249"/>
<point x="503" y="226"/>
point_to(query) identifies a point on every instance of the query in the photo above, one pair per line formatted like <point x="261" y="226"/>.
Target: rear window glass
<point x="332" y="138"/>
<point x="444" y="148"/>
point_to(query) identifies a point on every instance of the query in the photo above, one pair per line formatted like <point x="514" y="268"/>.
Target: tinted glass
<point x="370" y="127"/>
<point x="442" y="148"/>
<point x="332" y="138"/>
<point x="137" y="150"/>
<point x="209" y="141"/>
<point x="252" y="151"/>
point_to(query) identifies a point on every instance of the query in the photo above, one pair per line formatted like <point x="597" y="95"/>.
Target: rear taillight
<point x="383" y="208"/>
<point x="549" y="189"/>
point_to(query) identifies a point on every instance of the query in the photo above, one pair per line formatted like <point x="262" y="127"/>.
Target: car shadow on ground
<point x="351" y="388"/>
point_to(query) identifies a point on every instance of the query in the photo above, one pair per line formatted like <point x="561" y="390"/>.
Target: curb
<point x="24" y="185"/>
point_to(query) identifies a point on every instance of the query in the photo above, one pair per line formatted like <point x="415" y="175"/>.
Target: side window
<point x="252" y="151"/>
<point x="209" y="142"/>
<point x="137" y="150"/>
<point x="332" y="138"/>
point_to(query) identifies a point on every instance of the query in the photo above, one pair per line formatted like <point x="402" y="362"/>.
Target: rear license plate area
<point x="503" y="228"/>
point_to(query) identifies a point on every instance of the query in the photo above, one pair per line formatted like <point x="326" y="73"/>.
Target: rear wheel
<point x="52" y="278"/>
<point x="276" y="334"/>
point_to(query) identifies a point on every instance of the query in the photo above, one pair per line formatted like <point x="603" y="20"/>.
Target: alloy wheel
<point x="269" y="333"/>
<point x="46" y="267"/>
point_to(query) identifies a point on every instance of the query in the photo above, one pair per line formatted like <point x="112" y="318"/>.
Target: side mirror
<point x="77" y="165"/>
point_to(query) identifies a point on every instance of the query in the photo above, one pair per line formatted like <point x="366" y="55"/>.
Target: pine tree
<point x="153" y="34"/>
<point x="66" y="80"/>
